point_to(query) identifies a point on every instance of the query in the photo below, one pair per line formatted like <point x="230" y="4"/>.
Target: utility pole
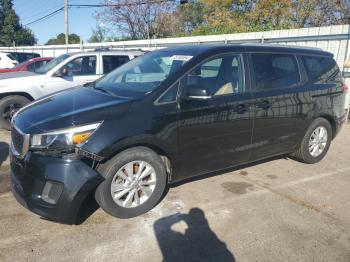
<point x="66" y="21"/>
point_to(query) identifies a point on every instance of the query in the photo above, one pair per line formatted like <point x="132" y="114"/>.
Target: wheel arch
<point x="331" y="120"/>
<point x="166" y="157"/>
<point x="24" y="94"/>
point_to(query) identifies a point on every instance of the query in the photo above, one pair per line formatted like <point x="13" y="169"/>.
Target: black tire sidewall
<point x="319" y="122"/>
<point x="103" y="194"/>
<point x="5" y="102"/>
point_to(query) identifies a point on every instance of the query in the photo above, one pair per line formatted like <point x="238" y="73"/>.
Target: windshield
<point x="54" y="62"/>
<point x="143" y="74"/>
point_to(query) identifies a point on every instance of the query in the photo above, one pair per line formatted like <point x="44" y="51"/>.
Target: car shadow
<point x="90" y="205"/>
<point x="4" y="152"/>
<point x="227" y="170"/>
<point x="197" y="243"/>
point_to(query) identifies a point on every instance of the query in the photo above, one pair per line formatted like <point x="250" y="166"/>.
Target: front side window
<point x="31" y="67"/>
<point x="53" y="63"/>
<point x="170" y="95"/>
<point x="275" y="71"/>
<point x="81" y="66"/>
<point x="219" y="76"/>
<point x="321" y="68"/>
<point x="145" y="73"/>
<point x="111" y="62"/>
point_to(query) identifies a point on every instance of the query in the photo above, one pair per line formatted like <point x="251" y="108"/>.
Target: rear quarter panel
<point x="320" y="98"/>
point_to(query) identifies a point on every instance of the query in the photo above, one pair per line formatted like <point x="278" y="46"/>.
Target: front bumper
<point x="52" y="187"/>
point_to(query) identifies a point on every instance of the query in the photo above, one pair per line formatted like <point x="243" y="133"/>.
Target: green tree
<point x="203" y="17"/>
<point x="270" y="15"/>
<point x="223" y="17"/>
<point x="11" y="31"/>
<point x="60" y="39"/>
<point x="190" y="16"/>
<point x="98" y="35"/>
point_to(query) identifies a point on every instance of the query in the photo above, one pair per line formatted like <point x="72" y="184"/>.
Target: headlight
<point x="64" y="138"/>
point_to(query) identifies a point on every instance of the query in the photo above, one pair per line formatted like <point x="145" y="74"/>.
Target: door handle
<point x="240" y="109"/>
<point x="264" y="104"/>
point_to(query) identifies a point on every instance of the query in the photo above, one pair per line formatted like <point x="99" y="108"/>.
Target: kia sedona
<point x="170" y="115"/>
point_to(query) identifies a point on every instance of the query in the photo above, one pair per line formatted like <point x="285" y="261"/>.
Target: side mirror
<point x="62" y="72"/>
<point x="197" y="94"/>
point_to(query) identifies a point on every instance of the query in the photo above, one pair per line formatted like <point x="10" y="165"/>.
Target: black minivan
<point x="169" y="115"/>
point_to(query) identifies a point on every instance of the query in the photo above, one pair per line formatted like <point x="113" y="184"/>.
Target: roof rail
<point x="102" y="49"/>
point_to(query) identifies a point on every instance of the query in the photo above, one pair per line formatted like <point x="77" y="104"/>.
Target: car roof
<point x="273" y="48"/>
<point x="109" y="52"/>
<point x="18" y="52"/>
<point x="40" y="59"/>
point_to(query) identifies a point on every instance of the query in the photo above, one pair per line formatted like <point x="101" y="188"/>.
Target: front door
<point x="215" y="130"/>
<point x="79" y="71"/>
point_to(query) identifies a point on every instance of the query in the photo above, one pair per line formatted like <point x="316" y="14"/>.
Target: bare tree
<point x="136" y="19"/>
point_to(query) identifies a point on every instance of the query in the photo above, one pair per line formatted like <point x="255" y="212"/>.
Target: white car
<point x="7" y="60"/>
<point x="66" y="71"/>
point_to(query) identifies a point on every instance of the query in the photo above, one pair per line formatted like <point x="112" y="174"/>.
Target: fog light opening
<point x="52" y="192"/>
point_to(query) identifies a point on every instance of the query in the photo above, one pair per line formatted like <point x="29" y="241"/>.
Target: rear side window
<point x="21" y="57"/>
<point x="275" y="71"/>
<point x="36" y="65"/>
<point x="11" y="56"/>
<point x="112" y="62"/>
<point x="321" y="68"/>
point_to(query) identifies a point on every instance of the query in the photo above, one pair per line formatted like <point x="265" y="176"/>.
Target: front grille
<point x="17" y="140"/>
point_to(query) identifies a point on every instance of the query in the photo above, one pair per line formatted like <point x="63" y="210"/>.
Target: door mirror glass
<point x="197" y="94"/>
<point x="62" y="72"/>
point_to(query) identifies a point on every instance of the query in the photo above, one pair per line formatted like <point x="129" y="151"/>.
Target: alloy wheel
<point x="318" y="141"/>
<point x="133" y="184"/>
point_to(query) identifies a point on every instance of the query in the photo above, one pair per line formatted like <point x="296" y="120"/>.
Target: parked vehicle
<point x="65" y="71"/>
<point x="170" y="115"/>
<point x="7" y="60"/>
<point x="31" y="65"/>
<point x="24" y="56"/>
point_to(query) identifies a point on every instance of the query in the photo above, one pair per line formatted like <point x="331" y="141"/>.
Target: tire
<point x="6" y="112"/>
<point x="109" y="170"/>
<point x="303" y="153"/>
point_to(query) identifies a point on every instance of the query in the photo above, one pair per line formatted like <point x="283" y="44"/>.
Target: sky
<point x="81" y="22"/>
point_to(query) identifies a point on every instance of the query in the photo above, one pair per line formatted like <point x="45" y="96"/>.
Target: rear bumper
<point x="339" y="124"/>
<point x="53" y="188"/>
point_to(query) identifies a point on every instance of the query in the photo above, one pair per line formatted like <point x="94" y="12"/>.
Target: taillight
<point x="345" y="88"/>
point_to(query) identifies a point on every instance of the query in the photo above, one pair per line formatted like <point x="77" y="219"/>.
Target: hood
<point x="69" y="108"/>
<point x="19" y="75"/>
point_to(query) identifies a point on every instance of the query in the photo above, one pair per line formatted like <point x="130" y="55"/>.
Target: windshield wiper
<point x="104" y="90"/>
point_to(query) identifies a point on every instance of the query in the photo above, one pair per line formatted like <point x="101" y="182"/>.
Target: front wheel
<point x="9" y="105"/>
<point x="316" y="142"/>
<point x="135" y="182"/>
